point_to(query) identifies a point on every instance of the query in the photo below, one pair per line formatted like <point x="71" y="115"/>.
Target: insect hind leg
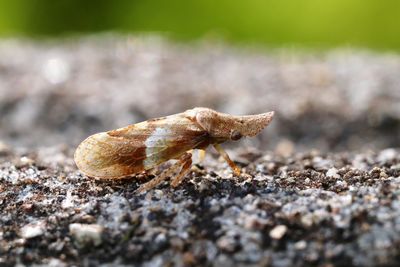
<point x="159" y="179"/>
<point x="186" y="161"/>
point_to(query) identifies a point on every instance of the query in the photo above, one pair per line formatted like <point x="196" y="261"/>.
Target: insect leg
<point x="186" y="161"/>
<point x="202" y="154"/>
<point x="153" y="171"/>
<point x="159" y="179"/>
<point x="221" y="151"/>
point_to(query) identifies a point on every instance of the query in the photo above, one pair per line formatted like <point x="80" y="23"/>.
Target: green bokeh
<point x="304" y="23"/>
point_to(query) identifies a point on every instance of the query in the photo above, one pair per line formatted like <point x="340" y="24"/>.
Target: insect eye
<point x="236" y="135"/>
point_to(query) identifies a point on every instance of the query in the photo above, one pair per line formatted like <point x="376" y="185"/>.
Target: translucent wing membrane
<point x="132" y="149"/>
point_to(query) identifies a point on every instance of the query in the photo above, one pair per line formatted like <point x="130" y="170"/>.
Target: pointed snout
<point x="268" y="117"/>
<point x="264" y="118"/>
<point x="255" y="123"/>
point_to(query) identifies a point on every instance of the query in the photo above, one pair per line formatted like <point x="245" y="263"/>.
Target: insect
<point x="143" y="146"/>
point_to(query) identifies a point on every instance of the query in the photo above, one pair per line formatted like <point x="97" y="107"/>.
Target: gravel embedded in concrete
<point x="290" y="213"/>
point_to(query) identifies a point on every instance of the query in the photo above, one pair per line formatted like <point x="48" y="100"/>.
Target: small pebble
<point x="85" y="234"/>
<point x="333" y="172"/>
<point x="33" y="230"/>
<point x="278" y="232"/>
<point x="387" y="155"/>
<point x="227" y="243"/>
<point x="300" y="245"/>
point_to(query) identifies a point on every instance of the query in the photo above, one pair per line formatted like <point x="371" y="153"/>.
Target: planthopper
<point x="143" y="146"/>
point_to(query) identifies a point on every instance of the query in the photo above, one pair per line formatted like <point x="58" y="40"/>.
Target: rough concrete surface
<point x="320" y="185"/>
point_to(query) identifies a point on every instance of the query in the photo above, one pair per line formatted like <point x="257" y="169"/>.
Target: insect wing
<point x="132" y="149"/>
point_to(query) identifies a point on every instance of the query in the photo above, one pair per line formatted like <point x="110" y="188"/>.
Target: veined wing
<point x="138" y="147"/>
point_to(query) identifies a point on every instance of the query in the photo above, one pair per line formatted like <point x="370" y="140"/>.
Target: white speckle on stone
<point x="321" y="163"/>
<point x="85" y="234"/>
<point x="68" y="201"/>
<point x="227" y="243"/>
<point x="359" y="163"/>
<point x="56" y="263"/>
<point x="114" y="212"/>
<point x="260" y="168"/>
<point x="333" y="172"/>
<point x="26" y="161"/>
<point x="307" y="220"/>
<point x="260" y="178"/>
<point x="300" y="245"/>
<point x="346" y="200"/>
<point x="395" y="167"/>
<point x="387" y="155"/>
<point x="33" y="230"/>
<point x="252" y="221"/>
<point x="25" y="194"/>
<point x="278" y="232"/>
<point x="341" y="183"/>
<point x="160" y="238"/>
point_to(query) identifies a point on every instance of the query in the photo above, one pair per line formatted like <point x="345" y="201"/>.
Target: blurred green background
<point x="303" y="23"/>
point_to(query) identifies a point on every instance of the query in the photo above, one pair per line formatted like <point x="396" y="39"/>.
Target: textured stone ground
<point x="306" y="209"/>
<point x="321" y="185"/>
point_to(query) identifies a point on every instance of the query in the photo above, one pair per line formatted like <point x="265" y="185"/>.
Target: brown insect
<point x="142" y="146"/>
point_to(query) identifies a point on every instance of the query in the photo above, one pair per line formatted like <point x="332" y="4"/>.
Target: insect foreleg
<point x="186" y="161"/>
<point x="221" y="151"/>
